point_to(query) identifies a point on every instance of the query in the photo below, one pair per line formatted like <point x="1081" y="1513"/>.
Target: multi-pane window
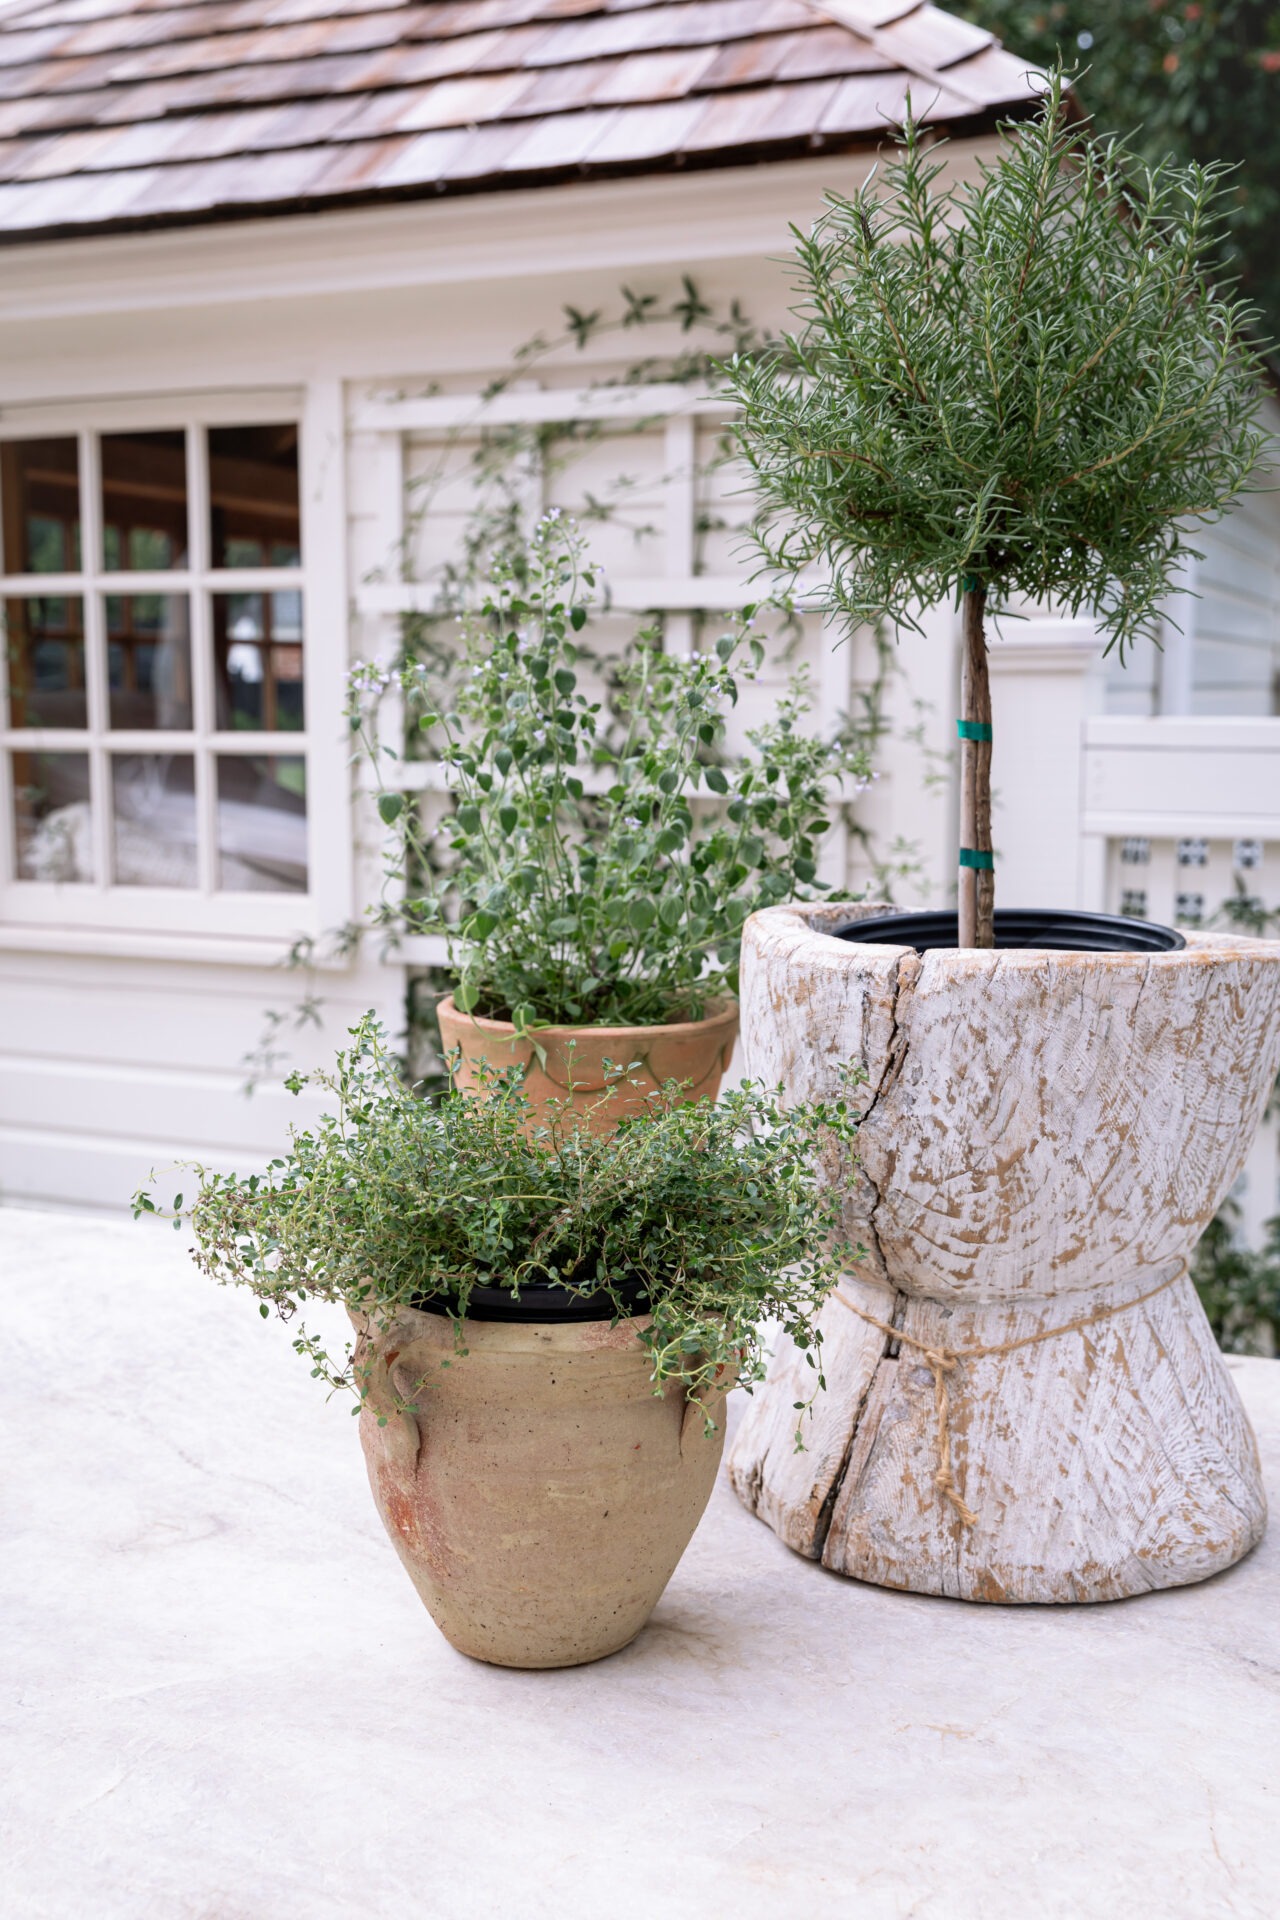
<point x="155" y="645"/>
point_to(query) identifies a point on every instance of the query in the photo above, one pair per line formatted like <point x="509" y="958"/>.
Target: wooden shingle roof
<point x="133" y="113"/>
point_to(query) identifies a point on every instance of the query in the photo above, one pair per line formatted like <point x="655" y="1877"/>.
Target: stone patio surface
<point x="223" y="1701"/>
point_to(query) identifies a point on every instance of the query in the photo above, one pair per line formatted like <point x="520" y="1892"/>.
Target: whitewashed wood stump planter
<point x="1044" y="1136"/>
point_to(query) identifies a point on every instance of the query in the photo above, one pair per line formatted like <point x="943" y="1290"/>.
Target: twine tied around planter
<point x="943" y="1361"/>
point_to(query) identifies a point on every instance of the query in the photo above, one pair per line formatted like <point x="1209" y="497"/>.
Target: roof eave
<point x="983" y="121"/>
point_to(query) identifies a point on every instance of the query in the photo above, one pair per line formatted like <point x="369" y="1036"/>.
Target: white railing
<point x="1172" y="776"/>
<point x="1178" y="814"/>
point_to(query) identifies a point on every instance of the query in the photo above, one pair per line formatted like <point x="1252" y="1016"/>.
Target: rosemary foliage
<point x="1028" y="379"/>
<point x="1023" y="386"/>
<point x="714" y="1216"/>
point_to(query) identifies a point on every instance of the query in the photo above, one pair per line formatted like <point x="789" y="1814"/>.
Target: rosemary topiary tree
<point x="1022" y="385"/>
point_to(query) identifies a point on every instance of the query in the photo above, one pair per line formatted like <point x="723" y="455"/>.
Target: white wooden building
<point x="262" y="264"/>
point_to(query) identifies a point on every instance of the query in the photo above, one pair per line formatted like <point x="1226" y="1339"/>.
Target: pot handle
<point x="375" y="1355"/>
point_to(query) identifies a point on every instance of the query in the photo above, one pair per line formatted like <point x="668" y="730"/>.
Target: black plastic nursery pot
<point x="1060" y="930"/>
<point x="538" y="1305"/>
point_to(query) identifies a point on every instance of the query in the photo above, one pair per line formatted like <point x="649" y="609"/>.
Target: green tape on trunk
<point x="974" y="729"/>
<point x="974" y="857"/>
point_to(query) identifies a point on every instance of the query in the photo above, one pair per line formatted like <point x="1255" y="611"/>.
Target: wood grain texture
<point x="1042" y="1134"/>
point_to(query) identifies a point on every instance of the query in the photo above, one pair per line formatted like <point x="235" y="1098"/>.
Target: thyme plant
<point x="1023" y="385"/>
<point x="601" y="865"/>
<point x="709" y="1219"/>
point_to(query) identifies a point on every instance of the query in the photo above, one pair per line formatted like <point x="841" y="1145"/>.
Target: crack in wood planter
<point x="1044" y="1137"/>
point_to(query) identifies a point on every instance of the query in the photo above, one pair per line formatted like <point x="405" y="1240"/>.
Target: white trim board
<point x="655" y="593"/>
<point x="669" y="221"/>
<point x="1171" y="776"/>
<point x="446" y="412"/>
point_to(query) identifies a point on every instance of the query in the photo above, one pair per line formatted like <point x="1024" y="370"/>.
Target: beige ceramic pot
<point x="543" y="1494"/>
<point x="573" y="1063"/>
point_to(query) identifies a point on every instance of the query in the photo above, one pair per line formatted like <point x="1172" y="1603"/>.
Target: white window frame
<point x="201" y="921"/>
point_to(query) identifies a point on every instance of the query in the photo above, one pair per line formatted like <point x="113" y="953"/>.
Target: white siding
<point x="110" y="1067"/>
<point x="1220" y="653"/>
<point x="1236" y="655"/>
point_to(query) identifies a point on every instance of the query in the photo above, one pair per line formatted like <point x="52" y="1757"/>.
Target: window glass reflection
<point x="40" y="501"/>
<point x="257" y="651"/>
<point x="44" y="652"/>
<point x="153" y="833"/>
<point x="144" y="501"/>
<point x="262" y="823"/>
<point x="52" y="828"/>
<point x="149" y="659"/>
<point x="253" y="497"/>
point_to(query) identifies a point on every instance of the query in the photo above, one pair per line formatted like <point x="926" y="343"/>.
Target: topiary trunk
<point x="977" y="880"/>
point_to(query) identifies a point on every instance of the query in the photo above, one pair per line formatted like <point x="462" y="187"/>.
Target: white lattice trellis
<point x="388" y="425"/>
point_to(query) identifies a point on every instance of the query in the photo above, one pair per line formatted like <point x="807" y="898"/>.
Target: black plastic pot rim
<point x="536" y="1306"/>
<point x="1024" y="929"/>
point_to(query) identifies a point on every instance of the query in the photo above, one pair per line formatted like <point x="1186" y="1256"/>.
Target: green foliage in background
<point x="1198" y="79"/>
<point x="1024" y="382"/>
<point x="712" y="1215"/>
<point x="1239" y="1288"/>
<point x="1246" y="912"/>
<point x="601" y="866"/>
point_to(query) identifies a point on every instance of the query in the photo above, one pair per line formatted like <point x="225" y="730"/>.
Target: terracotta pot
<point x="1044" y="1136"/>
<point x="543" y="1495"/>
<point x="698" y="1051"/>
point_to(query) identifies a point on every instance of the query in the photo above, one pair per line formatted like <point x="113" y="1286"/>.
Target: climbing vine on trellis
<point x="509" y="466"/>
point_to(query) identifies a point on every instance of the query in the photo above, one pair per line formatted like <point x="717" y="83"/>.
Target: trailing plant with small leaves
<point x="709" y="1220"/>
<point x="1025" y="384"/>
<point x="602" y="864"/>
